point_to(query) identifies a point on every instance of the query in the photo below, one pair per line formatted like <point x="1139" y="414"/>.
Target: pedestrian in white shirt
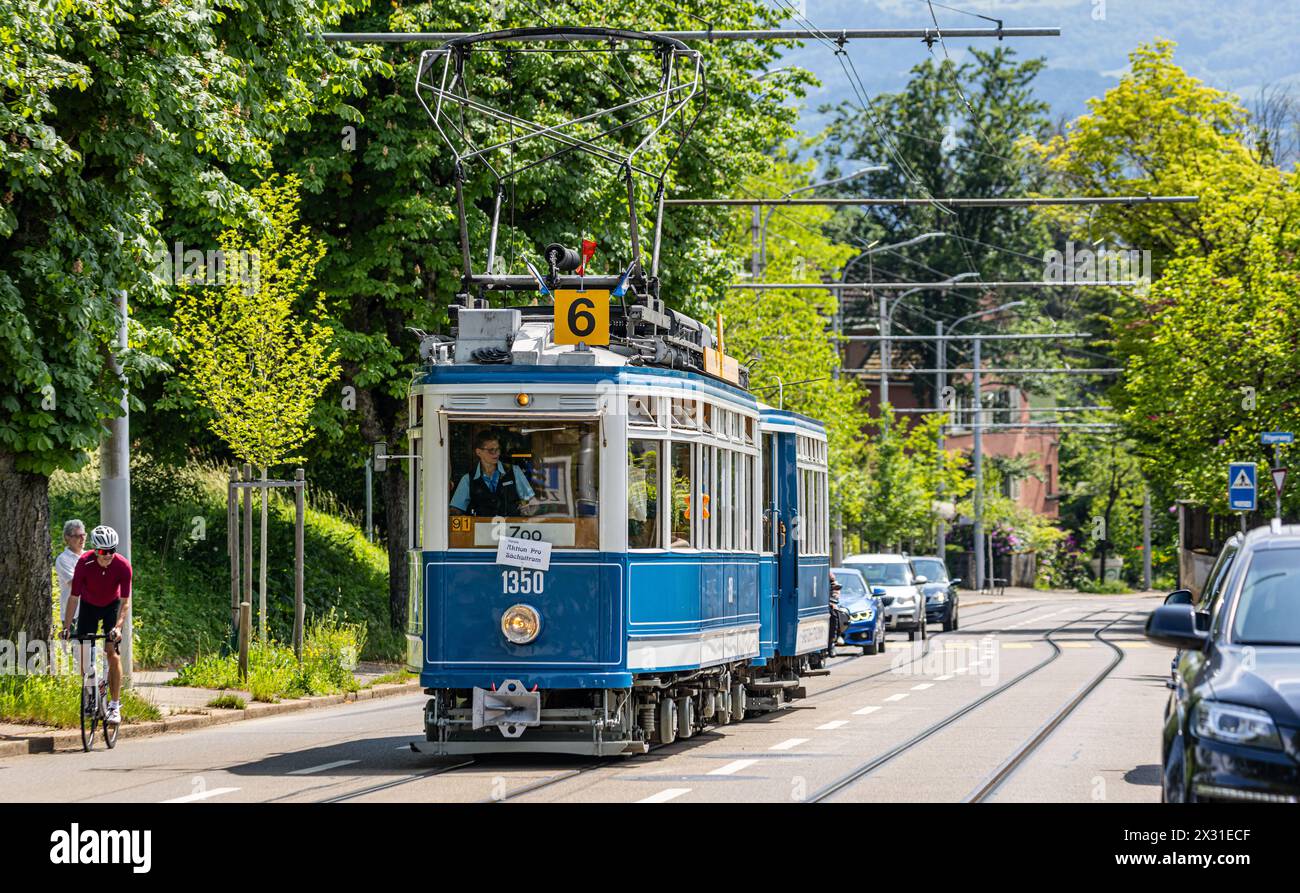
<point x="74" y="539"/>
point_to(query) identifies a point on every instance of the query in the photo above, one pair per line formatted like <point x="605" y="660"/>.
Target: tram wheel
<point x="737" y="702"/>
<point x="685" y="717"/>
<point x="667" y="721"/>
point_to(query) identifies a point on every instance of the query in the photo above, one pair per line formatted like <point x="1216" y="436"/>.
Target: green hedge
<point x="182" y="571"/>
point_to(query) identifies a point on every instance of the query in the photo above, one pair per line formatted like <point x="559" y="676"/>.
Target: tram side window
<point x="681" y="493"/>
<point x="535" y="480"/>
<point x="643" y="493"/>
<point x="415" y="479"/>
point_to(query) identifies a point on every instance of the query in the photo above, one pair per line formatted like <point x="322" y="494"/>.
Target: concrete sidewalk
<point x="185" y="708"/>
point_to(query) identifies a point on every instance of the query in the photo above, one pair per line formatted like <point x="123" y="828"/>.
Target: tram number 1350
<point x="516" y="582"/>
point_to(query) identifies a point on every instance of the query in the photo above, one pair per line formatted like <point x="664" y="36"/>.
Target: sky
<point x="1237" y="45"/>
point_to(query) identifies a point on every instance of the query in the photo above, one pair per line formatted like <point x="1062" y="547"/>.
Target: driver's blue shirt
<point x="460" y="499"/>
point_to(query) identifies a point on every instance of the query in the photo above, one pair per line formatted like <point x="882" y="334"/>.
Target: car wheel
<point x="884" y="640"/>
<point x="911" y="635"/>
<point x="1171" y="783"/>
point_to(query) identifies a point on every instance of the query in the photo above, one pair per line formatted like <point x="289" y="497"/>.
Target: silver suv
<point x="894" y="579"/>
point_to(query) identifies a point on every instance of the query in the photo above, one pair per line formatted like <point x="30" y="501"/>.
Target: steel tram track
<point x="865" y="769"/>
<point x="1000" y="775"/>
<point x="568" y="775"/>
<point x="925" y="652"/>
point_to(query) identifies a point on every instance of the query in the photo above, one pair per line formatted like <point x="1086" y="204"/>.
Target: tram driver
<point x="495" y="488"/>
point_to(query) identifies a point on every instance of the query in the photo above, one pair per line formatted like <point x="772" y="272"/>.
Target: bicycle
<point x="94" y="701"/>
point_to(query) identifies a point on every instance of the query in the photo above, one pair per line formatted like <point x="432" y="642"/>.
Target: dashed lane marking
<point x="865" y="711"/>
<point x="943" y="678"/>
<point x="897" y="697"/>
<point x="922" y="686"/>
<point x="835" y="724"/>
<point x="733" y="767"/>
<point x="665" y="796"/>
<point x="202" y="795"/>
<point x="788" y="744"/>
<point x="312" y="770"/>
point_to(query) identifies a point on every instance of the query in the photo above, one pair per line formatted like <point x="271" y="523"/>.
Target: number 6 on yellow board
<point x="581" y="316"/>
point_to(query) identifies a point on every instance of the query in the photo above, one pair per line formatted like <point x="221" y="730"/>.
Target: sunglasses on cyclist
<point x="105" y="551"/>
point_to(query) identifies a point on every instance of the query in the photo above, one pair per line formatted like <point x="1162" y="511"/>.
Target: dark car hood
<point x="935" y="588"/>
<point x="1264" y="676"/>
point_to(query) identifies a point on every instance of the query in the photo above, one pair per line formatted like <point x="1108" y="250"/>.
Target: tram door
<point x="415" y="536"/>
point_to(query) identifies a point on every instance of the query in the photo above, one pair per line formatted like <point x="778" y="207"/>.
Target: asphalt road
<point x="913" y="724"/>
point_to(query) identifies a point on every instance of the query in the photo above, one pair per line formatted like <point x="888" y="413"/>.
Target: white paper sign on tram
<point x="529" y="554"/>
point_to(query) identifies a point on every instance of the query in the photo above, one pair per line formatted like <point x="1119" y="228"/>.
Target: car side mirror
<point x="954" y="581"/>
<point x="877" y="592"/>
<point x="1179" y="597"/>
<point x="1175" y="627"/>
<point x="921" y="581"/>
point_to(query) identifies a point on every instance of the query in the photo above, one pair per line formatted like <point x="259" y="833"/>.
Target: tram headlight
<point x="523" y="399"/>
<point x="520" y="624"/>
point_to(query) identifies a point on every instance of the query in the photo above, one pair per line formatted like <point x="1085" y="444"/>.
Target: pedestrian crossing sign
<point x="1242" y="486"/>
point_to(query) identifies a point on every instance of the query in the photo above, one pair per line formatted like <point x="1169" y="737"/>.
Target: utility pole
<point x="884" y="352"/>
<point x="757" y="223"/>
<point x="978" y="459"/>
<point x="115" y="478"/>
<point x="941" y="348"/>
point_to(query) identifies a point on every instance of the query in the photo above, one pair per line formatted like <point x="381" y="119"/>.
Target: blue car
<point x="866" y="618"/>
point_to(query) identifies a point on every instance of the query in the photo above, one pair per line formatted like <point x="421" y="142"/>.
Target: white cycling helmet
<point x="103" y="538"/>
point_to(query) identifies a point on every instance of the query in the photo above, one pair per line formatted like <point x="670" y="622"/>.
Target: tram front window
<point x="535" y="480"/>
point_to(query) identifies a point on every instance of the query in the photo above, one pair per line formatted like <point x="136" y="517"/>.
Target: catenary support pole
<point x="941" y="530"/>
<point x="115" y="478"/>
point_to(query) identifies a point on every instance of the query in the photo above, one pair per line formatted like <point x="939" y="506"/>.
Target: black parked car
<point x="1232" y="725"/>
<point x="940" y="592"/>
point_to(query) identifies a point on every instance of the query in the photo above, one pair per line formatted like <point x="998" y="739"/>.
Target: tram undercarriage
<point x="658" y="709"/>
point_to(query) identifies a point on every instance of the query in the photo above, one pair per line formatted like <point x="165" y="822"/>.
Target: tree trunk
<point x="395" y="500"/>
<point x="26" y="593"/>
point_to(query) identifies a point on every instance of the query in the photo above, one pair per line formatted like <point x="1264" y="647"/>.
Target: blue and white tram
<point x="605" y="554"/>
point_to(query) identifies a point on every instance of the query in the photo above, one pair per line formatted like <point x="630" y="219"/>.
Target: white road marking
<point x="826" y="727"/>
<point x="788" y="744"/>
<point x="665" y="796"/>
<point x="311" y="770"/>
<point x="943" y="678"/>
<point x="922" y="686"/>
<point x="733" y="767"/>
<point x="865" y="711"/>
<point x="202" y="795"/>
<point x="897" y="697"/>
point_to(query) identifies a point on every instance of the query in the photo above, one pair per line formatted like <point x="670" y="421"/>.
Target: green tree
<point x="110" y="114"/>
<point x="255" y="350"/>
<point x="1210" y="351"/>
<point x="953" y="130"/>
<point x="1102" y="491"/>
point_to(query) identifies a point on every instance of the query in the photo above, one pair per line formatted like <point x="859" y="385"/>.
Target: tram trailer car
<point x="605" y="553"/>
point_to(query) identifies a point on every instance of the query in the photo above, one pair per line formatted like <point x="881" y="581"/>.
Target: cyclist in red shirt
<point x="102" y="580"/>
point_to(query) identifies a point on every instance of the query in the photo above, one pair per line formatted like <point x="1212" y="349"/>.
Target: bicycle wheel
<point x="110" y="728"/>
<point x="89" y="716"/>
